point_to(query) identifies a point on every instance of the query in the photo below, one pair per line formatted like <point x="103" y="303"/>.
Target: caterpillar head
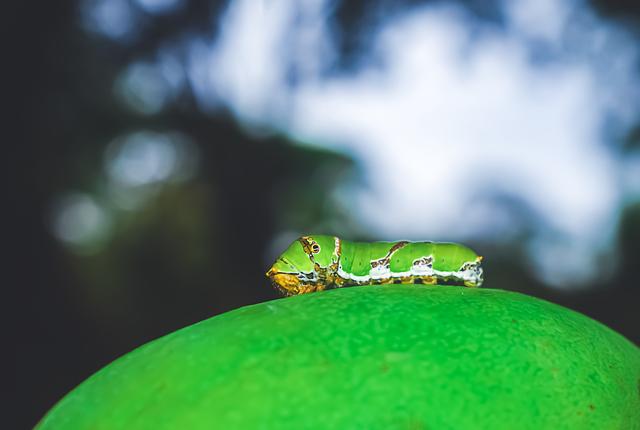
<point x="301" y="268"/>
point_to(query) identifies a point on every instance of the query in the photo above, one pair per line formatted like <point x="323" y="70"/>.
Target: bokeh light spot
<point x="160" y="6"/>
<point x="141" y="158"/>
<point x="138" y="164"/>
<point x="78" y="220"/>
<point x="143" y="88"/>
<point x="111" y="18"/>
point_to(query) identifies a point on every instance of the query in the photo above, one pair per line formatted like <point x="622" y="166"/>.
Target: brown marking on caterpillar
<point x="307" y="246"/>
<point x="424" y="261"/>
<point x="396" y="247"/>
<point x="326" y="276"/>
<point x="332" y="272"/>
<point x="386" y="260"/>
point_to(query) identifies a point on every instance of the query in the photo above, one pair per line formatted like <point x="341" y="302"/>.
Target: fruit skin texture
<point x="371" y="357"/>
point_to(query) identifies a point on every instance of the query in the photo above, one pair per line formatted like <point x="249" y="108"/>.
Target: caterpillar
<point x="319" y="262"/>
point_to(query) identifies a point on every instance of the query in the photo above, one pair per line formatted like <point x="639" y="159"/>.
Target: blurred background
<point x="161" y="153"/>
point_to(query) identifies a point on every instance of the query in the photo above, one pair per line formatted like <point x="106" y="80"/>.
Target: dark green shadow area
<point x="419" y="357"/>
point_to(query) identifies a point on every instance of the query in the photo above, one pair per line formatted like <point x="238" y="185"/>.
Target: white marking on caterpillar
<point x="472" y="274"/>
<point x="423" y="266"/>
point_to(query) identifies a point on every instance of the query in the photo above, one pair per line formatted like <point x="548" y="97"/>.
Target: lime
<point x="374" y="357"/>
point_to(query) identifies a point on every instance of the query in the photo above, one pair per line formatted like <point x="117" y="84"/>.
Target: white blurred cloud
<point x="449" y="115"/>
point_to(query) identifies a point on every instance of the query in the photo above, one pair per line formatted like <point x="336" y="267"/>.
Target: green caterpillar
<point x="319" y="262"/>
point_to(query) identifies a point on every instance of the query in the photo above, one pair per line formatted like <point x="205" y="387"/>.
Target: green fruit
<point x="374" y="357"/>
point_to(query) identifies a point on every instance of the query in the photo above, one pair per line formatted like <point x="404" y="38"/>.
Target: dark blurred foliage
<point x="164" y="266"/>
